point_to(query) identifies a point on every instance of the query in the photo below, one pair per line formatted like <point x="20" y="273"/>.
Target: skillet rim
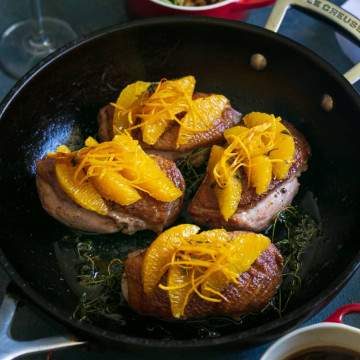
<point x="250" y="336"/>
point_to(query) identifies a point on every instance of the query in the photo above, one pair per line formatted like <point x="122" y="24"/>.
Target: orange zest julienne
<point x="198" y="264"/>
<point x="153" y="106"/>
<point x="117" y="170"/>
<point x="262" y="147"/>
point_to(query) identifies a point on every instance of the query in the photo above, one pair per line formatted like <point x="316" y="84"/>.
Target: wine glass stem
<point x="39" y="36"/>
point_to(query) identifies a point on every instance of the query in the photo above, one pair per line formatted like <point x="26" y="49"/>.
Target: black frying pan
<point x="58" y="101"/>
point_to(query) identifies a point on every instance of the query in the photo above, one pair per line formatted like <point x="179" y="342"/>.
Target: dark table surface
<point x="86" y="16"/>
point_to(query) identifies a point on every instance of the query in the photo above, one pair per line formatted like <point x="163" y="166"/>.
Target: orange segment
<point x="186" y="84"/>
<point x="260" y="173"/>
<point x="216" y="282"/>
<point x="229" y="197"/>
<point x="245" y="249"/>
<point x="145" y="174"/>
<point x="131" y="93"/>
<point x="158" y="185"/>
<point x="169" y="99"/>
<point x="129" y="167"/>
<point x="201" y="116"/>
<point x="283" y="154"/>
<point x="214" y="158"/>
<point x="159" y="254"/>
<point x="127" y="98"/>
<point x="83" y="194"/>
<point x="112" y="186"/>
<point x="90" y="141"/>
<point x="236" y="131"/>
<point x="214" y="236"/>
<point x="258" y="118"/>
<point x="179" y="280"/>
<point x="153" y="180"/>
<point x="151" y="131"/>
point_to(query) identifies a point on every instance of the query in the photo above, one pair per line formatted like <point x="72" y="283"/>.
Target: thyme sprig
<point x="193" y="168"/>
<point x="101" y="281"/>
<point x="292" y="232"/>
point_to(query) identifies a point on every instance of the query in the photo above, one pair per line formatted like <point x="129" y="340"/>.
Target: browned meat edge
<point x="167" y="142"/>
<point x="147" y="213"/>
<point x="204" y="207"/>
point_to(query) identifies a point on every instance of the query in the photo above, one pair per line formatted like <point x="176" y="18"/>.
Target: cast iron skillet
<point x="58" y="101"/>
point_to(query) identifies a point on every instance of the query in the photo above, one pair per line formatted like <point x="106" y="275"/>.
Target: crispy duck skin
<point x="166" y="145"/>
<point x="255" y="212"/>
<point x="146" y="213"/>
<point x="254" y="290"/>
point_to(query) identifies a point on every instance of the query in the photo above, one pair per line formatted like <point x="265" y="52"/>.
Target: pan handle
<point x="326" y="9"/>
<point x="10" y="348"/>
<point x="338" y="315"/>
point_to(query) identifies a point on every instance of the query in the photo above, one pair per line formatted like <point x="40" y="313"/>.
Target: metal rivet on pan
<point x="258" y="62"/>
<point x="327" y="102"/>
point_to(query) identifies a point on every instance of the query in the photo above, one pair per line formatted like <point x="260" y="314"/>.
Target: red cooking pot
<point x="331" y="334"/>
<point x="227" y="9"/>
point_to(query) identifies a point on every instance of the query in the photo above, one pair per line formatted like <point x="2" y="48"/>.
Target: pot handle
<point x="338" y="315"/>
<point x="331" y="12"/>
<point x="252" y="4"/>
<point x="10" y="348"/>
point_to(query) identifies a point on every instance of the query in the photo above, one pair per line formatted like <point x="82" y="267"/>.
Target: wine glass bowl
<point x="25" y="43"/>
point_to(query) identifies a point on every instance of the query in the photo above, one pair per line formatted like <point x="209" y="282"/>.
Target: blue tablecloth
<point x="88" y="15"/>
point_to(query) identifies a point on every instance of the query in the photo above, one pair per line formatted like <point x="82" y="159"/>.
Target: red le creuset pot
<point x="227" y="9"/>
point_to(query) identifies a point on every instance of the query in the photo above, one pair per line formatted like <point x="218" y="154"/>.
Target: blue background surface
<point x="86" y="16"/>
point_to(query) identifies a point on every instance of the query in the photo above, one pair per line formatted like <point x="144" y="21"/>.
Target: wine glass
<point x="25" y="43"/>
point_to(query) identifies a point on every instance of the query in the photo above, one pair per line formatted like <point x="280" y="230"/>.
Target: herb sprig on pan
<point x="102" y="281"/>
<point x="292" y="232"/>
<point x="193" y="168"/>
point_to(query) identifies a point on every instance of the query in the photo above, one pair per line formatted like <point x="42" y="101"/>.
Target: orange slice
<point x="258" y="118"/>
<point x="152" y="179"/>
<point x="151" y="131"/>
<point x="229" y="197"/>
<point x="215" y="156"/>
<point x="260" y="173"/>
<point x="126" y="100"/>
<point x="169" y="99"/>
<point x="283" y="153"/>
<point x="159" y="254"/>
<point x="83" y="194"/>
<point x="179" y="280"/>
<point x="201" y="116"/>
<point x="245" y="249"/>
<point x="236" y="131"/>
<point x="113" y="186"/>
